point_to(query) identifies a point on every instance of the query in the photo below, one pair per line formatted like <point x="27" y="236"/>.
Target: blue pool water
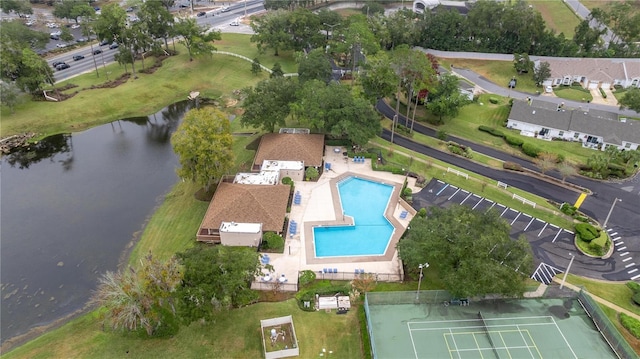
<point x="365" y="201"/>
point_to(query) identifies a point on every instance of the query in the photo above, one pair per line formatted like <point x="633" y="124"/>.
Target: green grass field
<point x="498" y="72"/>
<point x="573" y="93"/>
<point x="558" y="16"/>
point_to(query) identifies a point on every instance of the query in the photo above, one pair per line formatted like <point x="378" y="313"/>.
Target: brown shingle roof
<point x="232" y="202"/>
<point x="308" y="148"/>
<point x="605" y="70"/>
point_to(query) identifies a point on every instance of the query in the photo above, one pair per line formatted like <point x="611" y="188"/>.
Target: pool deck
<point x="321" y="206"/>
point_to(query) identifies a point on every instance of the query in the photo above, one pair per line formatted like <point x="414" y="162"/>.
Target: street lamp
<point x="331" y="26"/>
<point x="421" y="266"/>
<point x="611" y="210"/>
<point x="567" y="271"/>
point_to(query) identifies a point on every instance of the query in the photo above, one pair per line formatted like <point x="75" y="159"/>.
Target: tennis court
<point x="403" y="327"/>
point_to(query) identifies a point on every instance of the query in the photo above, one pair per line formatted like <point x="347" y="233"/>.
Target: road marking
<point x="455" y="193"/>
<point x="525" y="228"/>
<point x="543" y="228"/>
<point x="633" y="271"/>
<point x="557" y="234"/>
<point x="469" y="195"/>
<point x="615" y="239"/>
<point x="630" y="264"/>
<point x="626" y="259"/>
<point x="553" y="225"/>
<point x="618" y="243"/>
<point x="480" y="201"/>
<point x="621" y="249"/>
<point x="635" y="277"/>
<point x="443" y="188"/>
<point x="505" y="209"/>
<point x="624" y="254"/>
<point x="515" y="219"/>
<point x="613" y="234"/>
<point x="545" y="273"/>
<point x="580" y="200"/>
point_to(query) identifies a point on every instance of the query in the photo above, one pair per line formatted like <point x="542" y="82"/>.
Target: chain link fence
<point x="608" y="330"/>
<point x="379" y="277"/>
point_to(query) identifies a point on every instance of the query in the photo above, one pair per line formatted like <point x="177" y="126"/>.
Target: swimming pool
<point x="366" y="201"/>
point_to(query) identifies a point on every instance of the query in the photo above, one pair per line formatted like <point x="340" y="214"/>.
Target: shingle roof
<point x="308" y="148"/>
<point x="594" y="122"/>
<point x="605" y="70"/>
<point x="232" y="202"/>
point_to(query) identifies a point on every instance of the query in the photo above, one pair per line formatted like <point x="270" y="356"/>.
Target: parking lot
<point x="552" y="246"/>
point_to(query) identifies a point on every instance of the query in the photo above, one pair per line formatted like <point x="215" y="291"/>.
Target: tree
<point x="304" y="29"/>
<point x="402" y="28"/>
<point x="522" y="63"/>
<point x="587" y="38"/>
<point x="111" y="23"/>
<point x="315" y="66"/>
<point x="158" y="20"/>
<point x="541" y="73"/>
<point x="566" y="170"/>
<point x="276" y="70"/>
<point x="631" y="100"/>
<point x="546" y="161"/>
<point x="140" y="298"/>
<point x="72" y="10"/>
<point x="66" y="35"/>
<point x="473" y="250"/>
<point x="35" y="72"/>
<point x="270" y="31"/>
<point x="20" y="7"/>
<point x="446" y="99"/>
<point x="311" y="174"/>
<point x="204" y="145"/>
<point x="9" y="95"/>
<point x="267" y="104"/>
<point x="196" y="39"/>
<point x="216" y="278"/>
<point x="255" y="66"/>
<point x="379" y="78"/>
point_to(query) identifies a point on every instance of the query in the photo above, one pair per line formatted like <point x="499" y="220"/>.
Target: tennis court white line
<point x="475" y="320"/>
<point x="565" y="339"/>
<point x="454" y="345"/>
<point x="525" y="341"/>
<point x="413" y="343"/>
<point x="490" y="348"/>
<point x="497" y="326"/>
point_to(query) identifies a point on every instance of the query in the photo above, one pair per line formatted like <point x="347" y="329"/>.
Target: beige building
<point x="282" y="147"/>
<point x="240" y="234"/>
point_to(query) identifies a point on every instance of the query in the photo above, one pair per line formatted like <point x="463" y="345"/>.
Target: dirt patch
<point x="113" y="83"/>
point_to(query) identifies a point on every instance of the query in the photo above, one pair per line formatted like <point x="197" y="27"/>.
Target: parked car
<point x="82" y="39"/>
<point x="61" y="46"/>
<point x="52" y="25"/>
<point x="184" y="6"/>
<point x="114" y="45"/>
<point x="548" y="89"/>
<point x="78" y="57"/>
<point x="202" y="13"/>
<point x="104" y="42"/>
<point x="75" y="26"/>
<point x="30" y="23"/>
<point x="97" y="51"/>
<point x="56" y="33"/>
<point x="62" y="66"/>
<point x="235" y="23"/>
<point x="512" y="83"/>
<point x="54" y="37"/>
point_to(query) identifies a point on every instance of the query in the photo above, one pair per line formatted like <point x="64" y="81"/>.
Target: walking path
<point x="600" y="300"/>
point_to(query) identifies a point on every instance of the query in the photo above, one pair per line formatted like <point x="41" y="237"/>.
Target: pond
<point x="71" y="205"/>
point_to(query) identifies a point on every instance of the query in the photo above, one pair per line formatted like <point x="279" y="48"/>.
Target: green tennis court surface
<point x="490" y="329"/>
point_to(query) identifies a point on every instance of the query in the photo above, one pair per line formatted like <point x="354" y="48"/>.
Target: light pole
<point x="610" y="211"/>
<point x="331" y="26"/>
<point x="567" y="271"/>
<point x="421" y="266"/>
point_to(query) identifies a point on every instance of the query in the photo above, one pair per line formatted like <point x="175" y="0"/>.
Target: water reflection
<point x="70" y="206"/>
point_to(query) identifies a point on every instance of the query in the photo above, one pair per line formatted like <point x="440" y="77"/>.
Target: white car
<point x="30" y="23"/>
<point x="548" y="89"/>
<point x="52" y="25"/>
<point x="61" y="46"/>
<point x="75" y="26"/>
<point x="56" y="33"/>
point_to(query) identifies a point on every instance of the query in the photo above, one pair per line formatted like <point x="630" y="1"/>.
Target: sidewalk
<point x="600" y="300"/>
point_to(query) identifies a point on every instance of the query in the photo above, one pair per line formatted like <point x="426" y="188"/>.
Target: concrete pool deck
<point x="321" y="205"/>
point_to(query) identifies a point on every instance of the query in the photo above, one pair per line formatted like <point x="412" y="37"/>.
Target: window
<point x="627" y="145"/>
<point x="576" y="135"/>
<point x="561" y="133"/>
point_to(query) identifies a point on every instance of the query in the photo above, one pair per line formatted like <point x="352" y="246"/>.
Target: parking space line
<point x="525" y="228"/>
<point x="626" y="259"/>
<point x="622" y="249"/>
<point x="487" y="199"/>
<point x="480" y="201"/>
<point x="515" y="219"/>
<point x="615" y="239"/>
<point x="632" y="271"/>
<point x="630" y="264"/>
<point x="443" y="188"/>
<point x="624" y="254"/>
<point x="526" y="215"/>
<point x="635" y="277"/>
<point x="439" y="181"/>
<point x="455" y="193"/>
<point x="505" y="209"/>
<point x="618" y="243"/>
<point x="469" y="195"/>
<point x="568" y="231"/>
<point x="553" y="225"/>
<point x="613" y="234"/>
<point x="543" y="228"/>
<point x="556" y="237"/>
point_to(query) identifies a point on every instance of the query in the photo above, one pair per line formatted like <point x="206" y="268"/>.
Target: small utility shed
<point x="304" y="147"/>
<point x="244" y="203"/>
<point x="240" y="234"/>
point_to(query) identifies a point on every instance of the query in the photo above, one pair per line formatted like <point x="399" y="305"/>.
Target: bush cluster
<point x="493" y="100"/>
<point x="491" y="131"/>
<point x="309" y="295"/>
<point x="307" y="277"/>
<point x="514" y="141"/>
<point x="587" y="232"/>
<point x="531" y="150"/>
<point x="568" y="209"/>
<point x="287" y="180"/>
<point x="460" y="150"/>
<point x="631" y="324"/>
<point x="604" y="94"/>
<point x="272" y="241"/>
<point x="512" y="166"/>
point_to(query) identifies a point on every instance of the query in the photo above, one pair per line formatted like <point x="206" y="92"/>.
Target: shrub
<point x="491" y="131"/>
<point x="493" y="100"/>
<point x="273" y="241"/>
<point x="530" y="150"/>
<point x="422" y="213"/>
<point x="513" y="140"/>
<point x="512" y="166"/>
<point x="287" y="180"/>
<point x="312" y="174"/>
<point x="636" y="298"/>
<point x="441" y="135"/>
<point x="634" y="286"/>
<point x="631" y="324"/>
<point x="307" y="277"/>
<point x="407" y="192"/>
<point x="586" y="231"/>
<point x="568" y="209"/>
<point x="604" y="95"/>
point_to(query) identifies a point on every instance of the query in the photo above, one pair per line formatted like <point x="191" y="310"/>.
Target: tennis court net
<point x="486" y="329"/>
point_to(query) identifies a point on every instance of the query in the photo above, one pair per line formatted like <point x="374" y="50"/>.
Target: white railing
<point x="524" y="200"/>
<point x="458" y="173"/>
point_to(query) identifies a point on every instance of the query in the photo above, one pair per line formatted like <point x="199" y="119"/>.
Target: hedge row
<point x="631" y="324"/>
<point x="528" y="149"/>
<point x="512" y="166"/>
<point x="491" y="131"/>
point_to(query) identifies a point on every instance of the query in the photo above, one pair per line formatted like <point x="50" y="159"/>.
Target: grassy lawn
<point x="592" y="4"/>
<point x="617" y="293"/>
<point x="613" y="317"/>
<point x="231" y="334"/>
<point x="498" y="72"/>
<point x="574" y="93"/>
<point x="558" y="16"/>
<point x="215" y="77"/>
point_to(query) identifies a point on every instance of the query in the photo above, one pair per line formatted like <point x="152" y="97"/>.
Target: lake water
<point x="69" y="209"/>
